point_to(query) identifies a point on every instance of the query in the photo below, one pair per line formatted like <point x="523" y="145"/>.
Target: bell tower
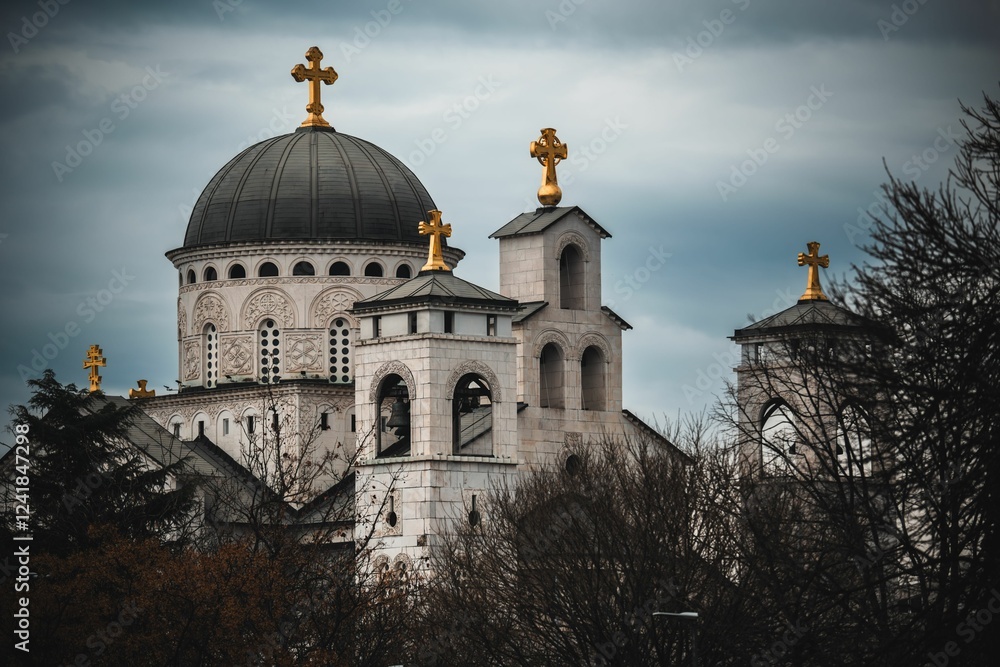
<point x="791" y="407"/>
<point x="436" y="369"/>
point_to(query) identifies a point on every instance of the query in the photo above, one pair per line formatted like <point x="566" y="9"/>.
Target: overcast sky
<point x="713" y="139"/>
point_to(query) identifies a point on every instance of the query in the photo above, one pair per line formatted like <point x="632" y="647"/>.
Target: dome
<point x="314" y="183"/>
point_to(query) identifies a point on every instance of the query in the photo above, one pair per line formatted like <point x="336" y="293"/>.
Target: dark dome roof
<point x="311" y="184"/>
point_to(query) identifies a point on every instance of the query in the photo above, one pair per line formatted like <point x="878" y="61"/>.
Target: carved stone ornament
<point x="393" y="367"/>
<point x="237" y="355"/>
<point x="332" y="302"/>
<point x="182" y="320"/>
<point x="192" y="360"/>
<point x="269" y="304"/>
<point x="210" y="308"/>
<point x="481" y="369"/>
<point x="304" y="352"/>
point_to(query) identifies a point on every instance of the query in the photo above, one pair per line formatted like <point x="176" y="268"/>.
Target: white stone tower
<point x="435" y="385"/>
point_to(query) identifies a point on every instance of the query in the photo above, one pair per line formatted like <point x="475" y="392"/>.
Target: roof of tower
<point x="316" y="184"/>
<point x="441" y="287"/>
<point x="542" y="218"/>
<point x="806" y="314"/>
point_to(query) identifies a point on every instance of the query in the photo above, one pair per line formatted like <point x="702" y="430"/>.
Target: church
<point x="319" y="305"/>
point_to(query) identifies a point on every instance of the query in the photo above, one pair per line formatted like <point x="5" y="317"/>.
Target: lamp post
<point x="693" y="617"/>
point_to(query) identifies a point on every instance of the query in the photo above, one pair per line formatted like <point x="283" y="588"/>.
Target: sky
<point x="713" y="139"/>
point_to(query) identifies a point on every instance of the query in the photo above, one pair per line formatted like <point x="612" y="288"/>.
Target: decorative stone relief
<point x="304" y="352"/>
<point x="553" y="336"/>
<point x="298" y="280"/>
<point x="237" y="355"/>
<point x="210" y="308"/>
<point x="572" y="238"/>
<point x="192" y="360"/>
<point x="269" y="304"/>
<point x="182" y="320"/>
<point x="479" y="368"/>
<point x="400" y="369"/>
<point x="331" y="302"/>
<point x="593" y="340"/>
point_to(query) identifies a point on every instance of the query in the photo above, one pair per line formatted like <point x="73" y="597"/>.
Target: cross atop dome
<point x="315" y="76"/>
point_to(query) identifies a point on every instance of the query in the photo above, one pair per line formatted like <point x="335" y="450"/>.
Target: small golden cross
<point x="814" y="291"/>
<point x="434" y="229"/>
<point x="549" y="151"/>
<point x="95" y="359"/>
<point x="315" y="76"/>
<point x="141" y="392"/>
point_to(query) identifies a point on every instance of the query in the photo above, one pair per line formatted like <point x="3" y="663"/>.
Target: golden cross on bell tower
<point x="549" y="151"/>
<point x="315" y="76"/>
<point x="434" y="229"/>
<point x="814" y="291"/>
<point x="95" y="358"/>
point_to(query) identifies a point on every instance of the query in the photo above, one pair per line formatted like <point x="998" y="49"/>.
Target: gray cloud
<point x="655" y="184"/>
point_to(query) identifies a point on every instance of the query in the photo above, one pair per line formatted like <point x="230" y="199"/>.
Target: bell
<point x="400" y="415"/>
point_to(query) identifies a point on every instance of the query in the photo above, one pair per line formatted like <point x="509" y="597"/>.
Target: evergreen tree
<point x="85" y="474"/>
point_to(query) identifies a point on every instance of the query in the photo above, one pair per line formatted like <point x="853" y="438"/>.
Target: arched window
<point x="267" y="270"/>
<point x="781" y="441"/>
<point x="404" y="271"/>
<point x="592" y="378"/>
<point x="373" y="270"/>
<point x="211" y="274"/>
<point x="303" y="269"/>
<point x="854" y="442"/>
<point x="237" y="271"/>
<point x="340" y="269"/>
<point x="550" y="377"/>
<point x="341" y="351"/>
<point x="472" y="417"/>
<point x="392" y="430"/>
<point x="210" y="359"/>
<point x="269" y="336"/>
<point x="571" y="279"/>
<point x="191" y="277"/>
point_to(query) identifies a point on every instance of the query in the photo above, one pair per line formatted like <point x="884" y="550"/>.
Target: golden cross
<point x="814" y="291"/>
<point x="315" y="76"/>
<point x="95" y="359"/>
<point x="549" y="151"/>
<point x="141" y="391"/>
<point x="434" y="229"/>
